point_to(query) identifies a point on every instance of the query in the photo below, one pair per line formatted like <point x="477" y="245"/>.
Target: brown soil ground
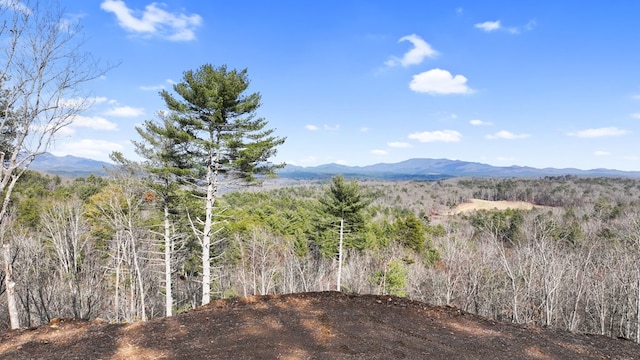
<point x="476" y="204"/>
<point x="324" y="325"/>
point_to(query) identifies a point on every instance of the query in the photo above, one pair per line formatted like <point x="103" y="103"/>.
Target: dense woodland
<point x="94" y="248"/>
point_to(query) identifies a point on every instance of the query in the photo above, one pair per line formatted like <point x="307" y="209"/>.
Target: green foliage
<point x="216" y="124"/>
<point x="504" y="224"/>
<point x="342" y="201"/>
<point x="28" y="211"/>
<point x="84" y="188"/>
<point x="393" y="279"/>
<point x="410" y="232"/>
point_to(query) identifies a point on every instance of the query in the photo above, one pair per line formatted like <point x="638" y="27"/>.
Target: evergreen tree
<point x="344" y="201"/>
<point x="164" y="167"/>
<point x="221" y="136"/>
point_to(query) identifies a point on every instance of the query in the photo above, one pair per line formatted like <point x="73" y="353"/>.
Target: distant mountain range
<point x="432" y="169"/>
<point x="412" y="169"/>
<point x="70" y="166"/>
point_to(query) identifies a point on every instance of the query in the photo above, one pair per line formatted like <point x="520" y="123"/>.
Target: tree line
<point x="95" y="247"/>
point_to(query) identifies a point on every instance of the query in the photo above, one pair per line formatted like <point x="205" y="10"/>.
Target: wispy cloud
<point x="635" y="116"/>
<point x="307" y="161"/>
<point x="399" y="144"/>
<point x="154" y="21"/>
<point x="151" y="87"/>
<point x="438" y="81"/>
<point x="90" y="148"/>
<point x="476" y="122"/>
<point x="331" y="128"/>
<point x="125" y="111"/>
<point x="600" y="132"/>
<point x="157" y="87"/>
<point x="416" y="55"/>
<point x="488" y="26"/>
<point x="93" y="122"/>
<point x="378" y="152"/>
<point x="365" y="129"/>
<point x="437" y="136"/>
<point x="508" y="135"/>
<point x="82" y="102"/>
<point x="601" y="153"/>
<point x="311" y="127"/>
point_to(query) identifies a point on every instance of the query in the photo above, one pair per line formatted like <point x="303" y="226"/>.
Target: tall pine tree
<point x="164" y="168"/>
<point x="222" y="138"/>
<point x="345" y="200"/>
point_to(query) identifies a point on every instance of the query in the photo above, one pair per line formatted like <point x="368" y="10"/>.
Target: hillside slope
<point x="325" y="325"/>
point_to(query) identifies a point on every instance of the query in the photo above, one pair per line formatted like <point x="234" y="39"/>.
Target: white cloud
<point x="530" y="25"/>
<point x="66" y="131"/>
<point x="508" y="135"/>
<point x="635" y="116"/>
<point x="93" y="122"/>
<point x="310" y="160"/>
<point x="379" y="152"/>
<point x="157" y="87"/>
<point x="125" y="111"/>
<point x="477" y="122"/>
<point x="326" y="127"/>
<point x="364" y="129"/>
<point x="438" y="81"/>
<point x="152" y="87"/>
<point x="89" y="148"/>
<point x="421" y="49"/>
<point x="154" y="21"/>
<point x="437" y="136"/>
<point x="601" y="153"/>
<point x="600" y="132"/>
<point x="342" y="162"/>
<point x="399" y="144"/>
<point x="488" y="26"/>
<point x="81" y="102"/>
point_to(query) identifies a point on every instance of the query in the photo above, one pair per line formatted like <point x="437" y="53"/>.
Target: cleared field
<point x="477" y="204"/>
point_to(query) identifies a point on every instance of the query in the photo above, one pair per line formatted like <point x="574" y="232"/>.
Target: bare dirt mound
<point x="324" y="325"/>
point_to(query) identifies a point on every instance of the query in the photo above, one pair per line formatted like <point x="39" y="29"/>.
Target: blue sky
<point x="531" y="83"/>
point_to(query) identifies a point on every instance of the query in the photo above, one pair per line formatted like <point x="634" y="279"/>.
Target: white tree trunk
<point x="168" y="247"/>
<point x="14" y="319"/>
<point x="138" y="272"/>
<point x="338" y="285"/>
<point x="206" y="245"/>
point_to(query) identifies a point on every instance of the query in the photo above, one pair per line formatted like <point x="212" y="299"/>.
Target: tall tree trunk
<point x="140" y="281"/>
<point x="338" y="286"/>
<point x="168" y="247"/>
<point x="206" y="241"/>
<point x="14" y="319"/>
<point x="638" y="309"/>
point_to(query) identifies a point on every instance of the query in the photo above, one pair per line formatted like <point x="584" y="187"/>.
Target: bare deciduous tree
<point x="42" y="70"/>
